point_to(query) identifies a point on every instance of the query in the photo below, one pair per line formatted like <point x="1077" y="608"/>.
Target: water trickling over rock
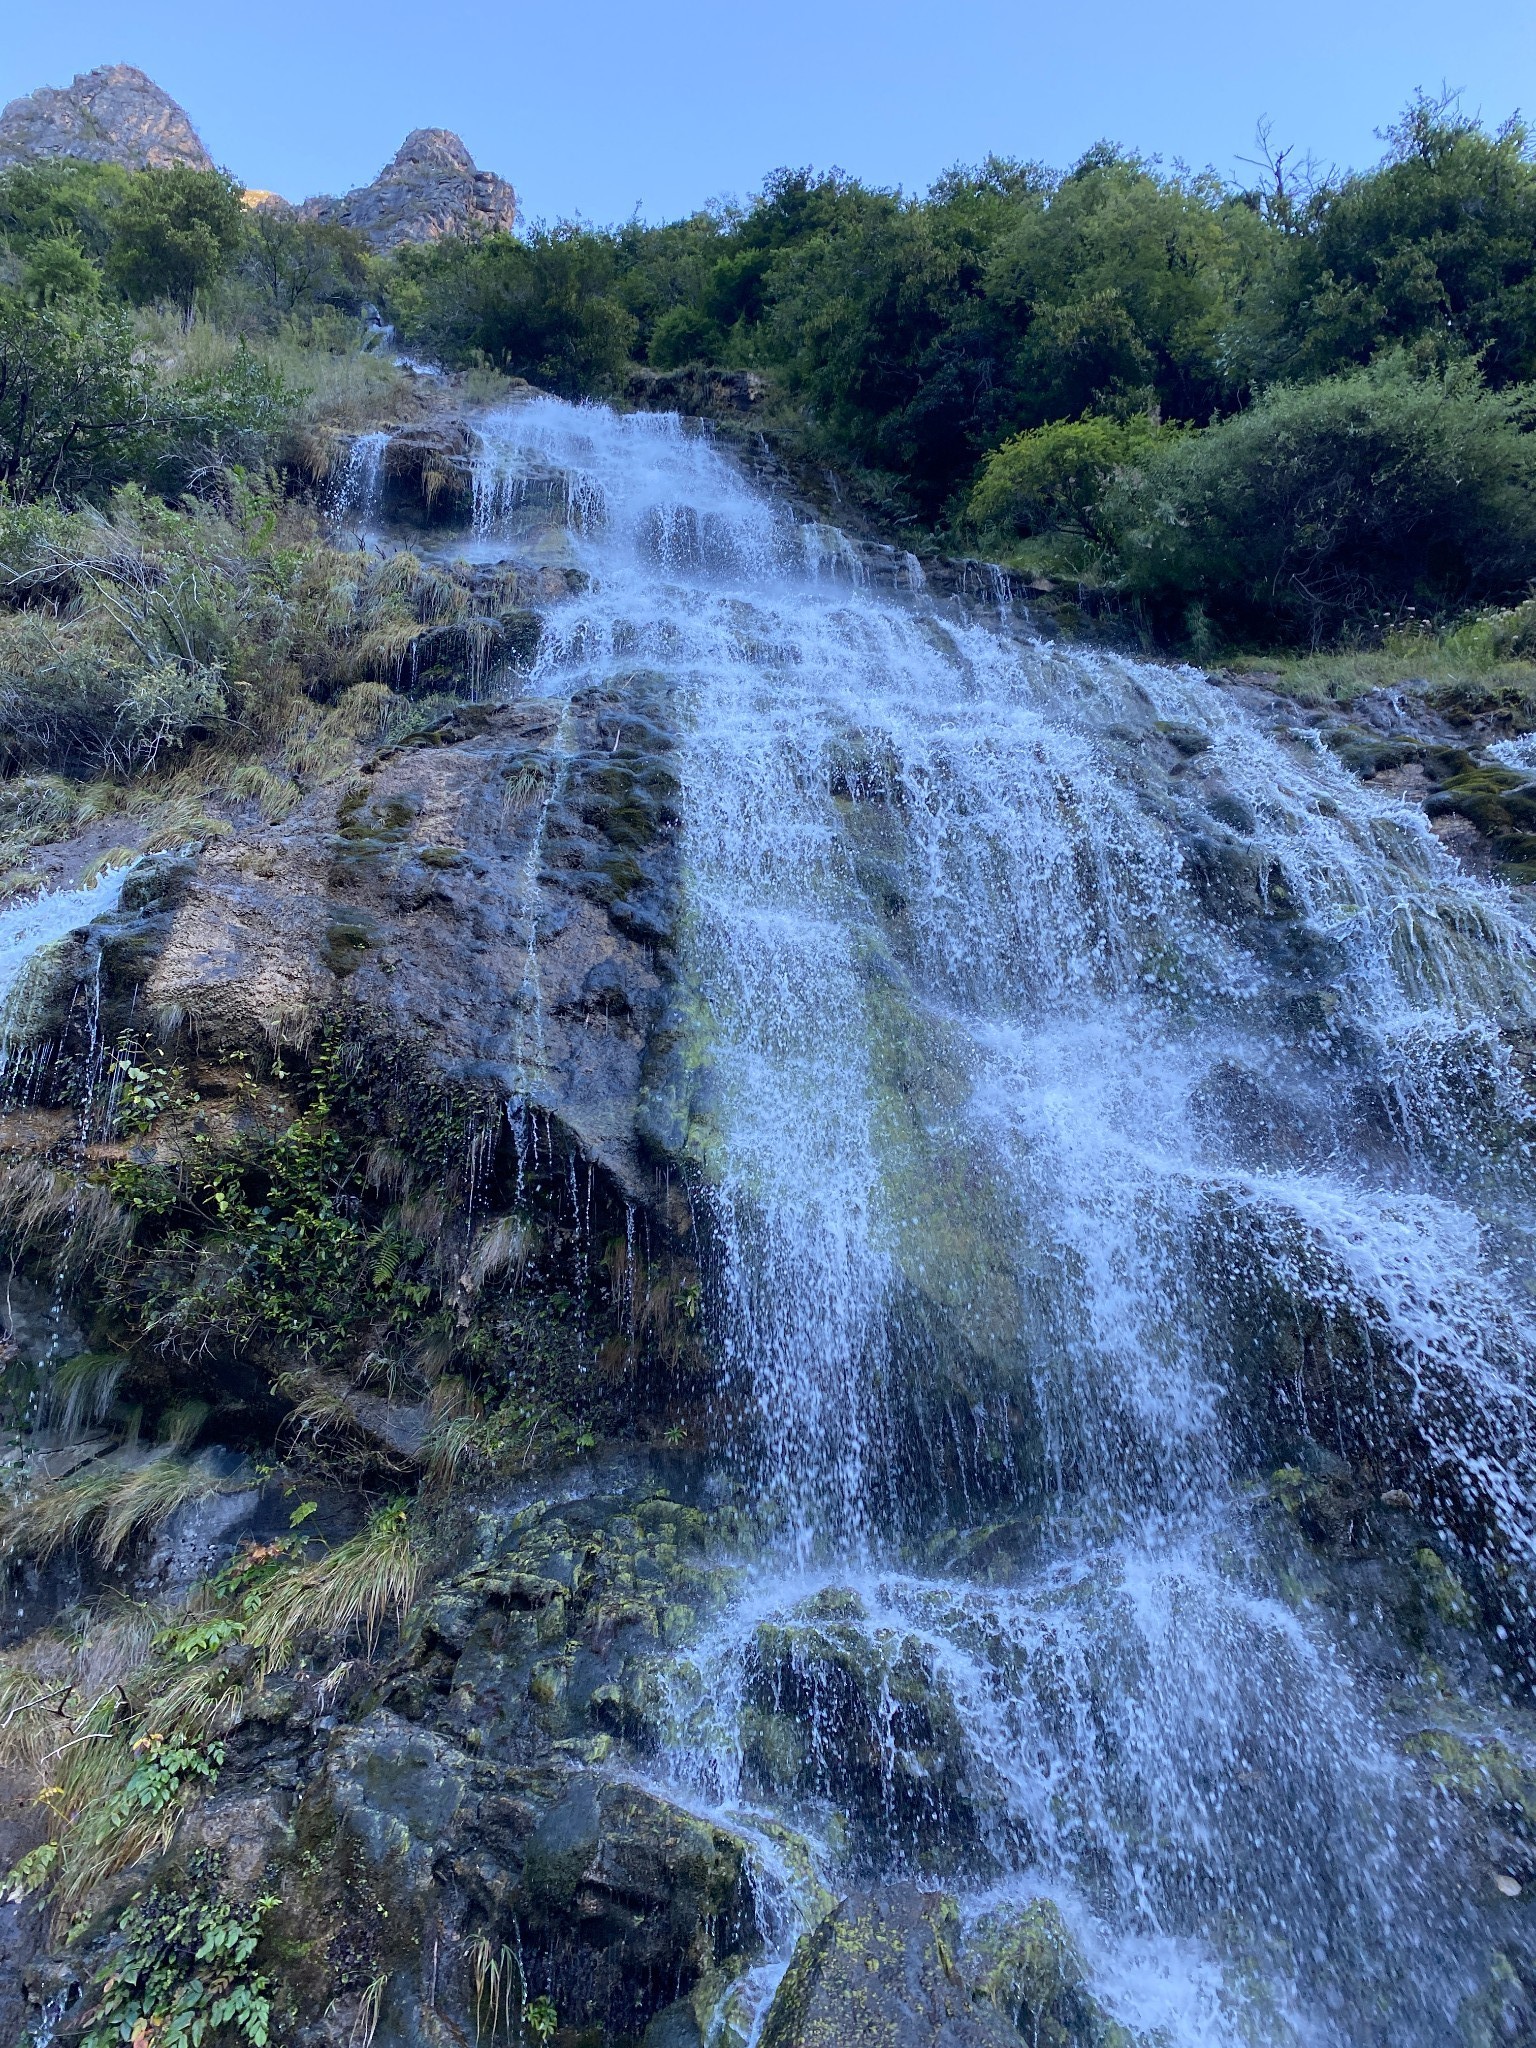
<point x="1095" y="1099"/>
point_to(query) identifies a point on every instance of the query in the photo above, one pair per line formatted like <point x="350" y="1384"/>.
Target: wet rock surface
<point x="496" y="889"/>
<point x="882" y="1971"/>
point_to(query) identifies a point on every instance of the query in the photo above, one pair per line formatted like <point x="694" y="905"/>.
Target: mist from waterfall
<point x="1081" y="1058"/>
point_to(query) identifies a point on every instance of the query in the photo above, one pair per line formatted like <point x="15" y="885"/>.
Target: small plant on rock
<point x="181" y="1969"/>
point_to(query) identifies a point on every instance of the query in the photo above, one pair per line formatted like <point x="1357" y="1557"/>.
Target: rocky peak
<point x="431" y="187"/>
<point x="432" y="150"/>
<point x="114" y="114"/>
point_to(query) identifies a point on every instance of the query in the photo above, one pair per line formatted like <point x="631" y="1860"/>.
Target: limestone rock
<point x="113" y="115"/>
<point x="431" y="187"/>
<point x="880" y="1972"/>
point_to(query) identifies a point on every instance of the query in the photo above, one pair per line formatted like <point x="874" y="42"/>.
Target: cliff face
<point x="113" y="114"/>
<point x="429" y="188"/>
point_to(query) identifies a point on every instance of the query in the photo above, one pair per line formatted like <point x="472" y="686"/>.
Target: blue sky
<point x="597" y="108"/>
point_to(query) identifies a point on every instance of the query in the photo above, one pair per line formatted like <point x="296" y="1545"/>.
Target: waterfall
<point x="28" y="928"/>
<point x="354" y="497"/>
<point x="1092" y="1080"/>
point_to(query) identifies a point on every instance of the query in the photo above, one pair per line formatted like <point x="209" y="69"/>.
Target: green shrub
<point x="685" y="335"/>
<point x="68" y="709"/>
<point x="61" y="196"/>
<point x="172" y="234"/>
<point x="1053" y="478"/>
<point x="1342" y="505"/>
<point x="57" y="271"/>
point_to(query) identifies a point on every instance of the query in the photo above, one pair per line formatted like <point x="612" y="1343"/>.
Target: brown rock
<point x="113" y="115"/>
<point x="431" y="187"/>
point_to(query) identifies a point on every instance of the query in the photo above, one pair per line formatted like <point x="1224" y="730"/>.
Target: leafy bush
<point x="1053" y="478"/>
<point x="69" y="708"/>
<point x="172" y="233"/>
<point x="181" y="1969"/>
<point x="685" y="335"/>
<point x="61" y="196"/>
<point x="1352" y="501"/>
<point x="57" y="271"/>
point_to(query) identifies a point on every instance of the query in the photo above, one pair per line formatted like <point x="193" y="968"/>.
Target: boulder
<point x="881" y="1971"/>
<point x="615" y="1902"/>
<point x="841" y="1712"/>
<point x="431" y="187"/>
<point x="1033" y="1973"/>
<point x="113" y="115"/>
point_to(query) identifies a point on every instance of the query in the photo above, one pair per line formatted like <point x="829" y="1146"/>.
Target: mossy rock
<point x="881" y="1971"/>
<point x="1033" y="1974"/>
<point x="858" y="1718"/>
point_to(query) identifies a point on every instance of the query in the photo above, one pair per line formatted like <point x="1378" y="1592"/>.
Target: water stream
<point x="1095" y="1082"/>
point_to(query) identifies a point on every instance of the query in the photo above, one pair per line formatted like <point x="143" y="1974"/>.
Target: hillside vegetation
<point x="1289" y="419"/>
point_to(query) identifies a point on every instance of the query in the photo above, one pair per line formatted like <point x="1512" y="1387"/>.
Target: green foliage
<point x="295" y="262"/>
<point x="685" y="334"/>
<point x="57" y="271"/>
<point x="541" y="2019"/>
<point x="74" y="403"/>
<point x="267" y="1242"/>
<point x="545" y="309"/>
<point x="61" y="197"/>
<point x="1053" y="478"/>
<point x="181" y="1969"/>
<point x="173" y="233"/>
<point x="1350" y="501"/>
<point x="1436" y="247"/>
<point x="165" y="1763"/>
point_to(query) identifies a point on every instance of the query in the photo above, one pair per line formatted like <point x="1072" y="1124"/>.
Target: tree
<point x="1436" y="247"/>
<point x="545" y="308"/>
<point x="296" y="261"/>
<point x="174" y="232"/>
<point x="74" y="405"/>
<point x="1118" y="291"/>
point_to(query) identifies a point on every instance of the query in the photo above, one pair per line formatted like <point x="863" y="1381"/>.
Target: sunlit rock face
<point x="112" y="115"/>
<point x="431" y="187"/>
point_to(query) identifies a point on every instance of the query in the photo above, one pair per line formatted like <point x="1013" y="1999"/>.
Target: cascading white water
<point x="354" y="491"/>
<point x="28" y="928"/>
<point x="1071" y="1034"/>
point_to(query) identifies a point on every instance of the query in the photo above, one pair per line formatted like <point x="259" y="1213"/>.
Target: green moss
<point x="1486" y="1775"/>
<point x="1447" y="1595"/>
<point x="1033" y="1972"/>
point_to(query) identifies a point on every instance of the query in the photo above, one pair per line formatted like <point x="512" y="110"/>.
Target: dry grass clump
<point x="361" y="1584"/>
<point x="119" y="1726"/>
<point x="109" y="1503"/>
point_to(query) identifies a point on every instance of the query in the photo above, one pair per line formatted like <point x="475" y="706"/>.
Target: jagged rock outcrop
<point x="112" y="115"/>
<point x="431" y="187"/>
<point x="497" y="887"/>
